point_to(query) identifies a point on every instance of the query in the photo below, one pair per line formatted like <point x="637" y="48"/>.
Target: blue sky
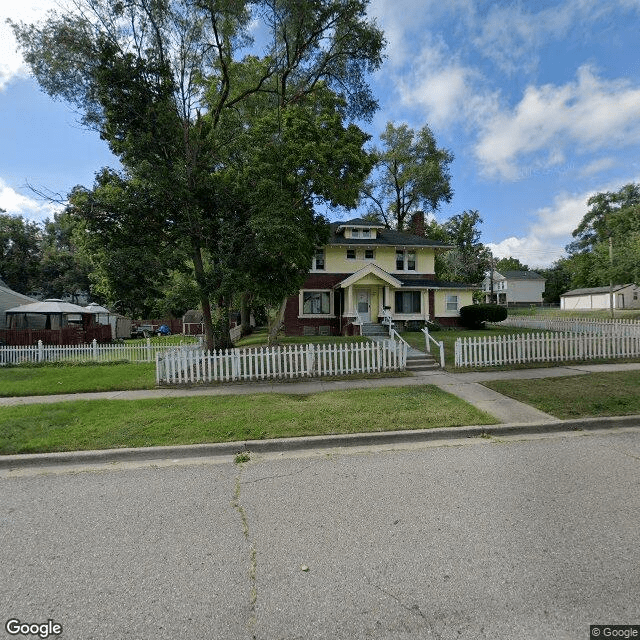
<point x="538" y="101"/>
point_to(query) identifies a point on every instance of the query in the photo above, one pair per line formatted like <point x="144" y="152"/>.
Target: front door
<point x="364" y="304"/>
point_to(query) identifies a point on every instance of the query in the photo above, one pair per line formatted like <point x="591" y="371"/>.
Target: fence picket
<point x="521" y="348"/>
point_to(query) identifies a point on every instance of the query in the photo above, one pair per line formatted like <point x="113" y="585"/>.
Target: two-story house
<point x="514" y="288"/>
<point x="367" y="273"/>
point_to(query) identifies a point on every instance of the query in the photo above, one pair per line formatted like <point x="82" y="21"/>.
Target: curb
<point x="277" y="445"/>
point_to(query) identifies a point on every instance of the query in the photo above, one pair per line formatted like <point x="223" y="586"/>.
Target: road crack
<point x="252" y="553"/>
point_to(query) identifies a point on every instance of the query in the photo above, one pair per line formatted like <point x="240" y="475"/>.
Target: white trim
<point x="374" y="269"/>
<point x="301" y="314"/>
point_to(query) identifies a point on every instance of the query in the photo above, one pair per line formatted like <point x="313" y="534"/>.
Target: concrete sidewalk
<point x="464" y="385"/>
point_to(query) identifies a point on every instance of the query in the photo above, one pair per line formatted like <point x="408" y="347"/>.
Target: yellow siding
<point x="465" y="297"/>
<point x="385" y="257"/>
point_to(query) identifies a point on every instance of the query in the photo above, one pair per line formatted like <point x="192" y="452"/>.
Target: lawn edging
<point x="278" y="445"/>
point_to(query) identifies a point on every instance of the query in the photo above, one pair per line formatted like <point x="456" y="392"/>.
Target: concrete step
<point x="421" y="363"/>
<point x="373" y="329"/>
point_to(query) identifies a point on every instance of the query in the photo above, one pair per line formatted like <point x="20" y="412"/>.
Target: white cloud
<point x="587" y="115"/>
<point x="11" y="62"/>
<point x="16" y="203"/>
<point x="546" y="238"/>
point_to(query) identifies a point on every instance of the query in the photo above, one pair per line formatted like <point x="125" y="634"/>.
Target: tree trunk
<point x="245" y="313"/>
<point x="198" y="269"/>
<point x="223" y="337"/>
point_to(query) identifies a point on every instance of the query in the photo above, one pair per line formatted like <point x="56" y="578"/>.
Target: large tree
<point x="170" y="85"/>
<point x="606" y="248"/>
<point x="412" y="173"/>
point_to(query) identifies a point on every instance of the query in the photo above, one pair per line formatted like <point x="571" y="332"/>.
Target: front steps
<point x="424" y="362"/>
<point x="417" y="362"/>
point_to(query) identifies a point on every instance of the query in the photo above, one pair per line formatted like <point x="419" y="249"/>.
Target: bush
<point x="475" y="315"/>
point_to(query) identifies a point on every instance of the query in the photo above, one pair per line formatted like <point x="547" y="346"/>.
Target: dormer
<point x="359" y="229"/>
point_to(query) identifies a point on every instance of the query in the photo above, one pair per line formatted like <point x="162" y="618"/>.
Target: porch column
<point x="387" y="296"/>
<point x="349" y="310"/>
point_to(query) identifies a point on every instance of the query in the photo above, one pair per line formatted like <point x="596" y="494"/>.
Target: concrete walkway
<point x="464" y="385"/>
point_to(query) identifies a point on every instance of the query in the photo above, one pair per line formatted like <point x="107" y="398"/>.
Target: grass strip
<point x="83" y="425"/>
<point x="581" y="396"/>
<point x="78" y="378"/>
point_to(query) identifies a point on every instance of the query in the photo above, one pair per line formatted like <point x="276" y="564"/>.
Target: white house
<point x="625" y="296"/>
<point x="514" y="288"/>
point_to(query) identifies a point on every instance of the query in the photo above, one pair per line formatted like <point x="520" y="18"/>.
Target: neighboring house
<point x="9" y="299"/>
<point x="625" y="296"/>
<point x="514" y="288"/>
<point x="366" y="272"/>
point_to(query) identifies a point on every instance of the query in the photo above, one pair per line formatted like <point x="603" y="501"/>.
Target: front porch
<point x="372" y="296"/>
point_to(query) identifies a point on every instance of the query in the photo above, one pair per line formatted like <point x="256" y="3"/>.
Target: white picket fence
<point x="93" y="352"/>
<point x="487" y="351"/>
<point x="612" y="327"/>
<point x="292" y="361"/>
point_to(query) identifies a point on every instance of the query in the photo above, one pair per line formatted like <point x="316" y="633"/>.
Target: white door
<point x="364" y="305"/>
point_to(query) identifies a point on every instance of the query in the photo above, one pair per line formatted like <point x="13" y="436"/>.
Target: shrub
<point x="475" y="315"/>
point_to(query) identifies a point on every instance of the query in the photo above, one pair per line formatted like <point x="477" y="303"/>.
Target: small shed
<point x="50" y="314"/>
<point x="120" y="326"/>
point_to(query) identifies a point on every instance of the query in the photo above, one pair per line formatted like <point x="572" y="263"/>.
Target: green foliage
<point x="412" y="172"/>
<point x="223" y="154"/>
<point x="468" y="261"/>
<point x="475" y="315"/>
<point x="613" y="217"/>
<point x="510" y="264"/>
<point x="20" y="253"/>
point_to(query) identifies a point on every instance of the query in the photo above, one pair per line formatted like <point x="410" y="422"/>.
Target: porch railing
<point x="428" y="338"/>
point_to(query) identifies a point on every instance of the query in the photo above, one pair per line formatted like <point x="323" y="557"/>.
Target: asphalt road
<point x="519" y="538"/>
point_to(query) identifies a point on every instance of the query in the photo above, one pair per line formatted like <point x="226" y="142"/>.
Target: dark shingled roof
<point x="435" y="284"/>
<point x="385" y="237"/>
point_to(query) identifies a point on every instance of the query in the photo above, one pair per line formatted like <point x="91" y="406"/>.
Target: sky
<point x="538" y="101"/>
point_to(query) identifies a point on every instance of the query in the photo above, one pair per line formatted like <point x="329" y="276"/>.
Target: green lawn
<point x="260" y="338"/>
<point x="582" y="396"/>
<point x="27" y="380"/>
<point x="596" y="314"/>
<point x="103" y="424"/>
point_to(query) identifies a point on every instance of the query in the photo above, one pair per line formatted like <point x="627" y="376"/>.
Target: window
<point x="407" y="301"/>
<point x="405" y="260"/>
<point x="451" y="303"/>
<point x="355" y="233"/>
<point x="316" y="302"/>
<point x="368" y="254"/>
<point x="366" y="233"/>
<point x="318" y="260"/>
<point x="351" y="254"/>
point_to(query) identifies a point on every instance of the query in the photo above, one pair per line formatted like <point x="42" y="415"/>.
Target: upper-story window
<point x="318" y="260"/>
<point x="351" y="254"/>
<point x="405" y="260"/>
<point x="369" y="254"/>
<point x="355" y="233"/>
<point x="366" y="233"/>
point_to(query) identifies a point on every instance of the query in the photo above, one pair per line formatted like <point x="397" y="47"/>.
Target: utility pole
<point x="611" y="275"/>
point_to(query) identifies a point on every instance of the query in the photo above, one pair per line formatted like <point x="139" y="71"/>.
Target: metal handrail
<point x="440" y="345"/>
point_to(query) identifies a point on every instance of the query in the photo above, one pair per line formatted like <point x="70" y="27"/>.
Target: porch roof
<point x="370" y="269"/>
